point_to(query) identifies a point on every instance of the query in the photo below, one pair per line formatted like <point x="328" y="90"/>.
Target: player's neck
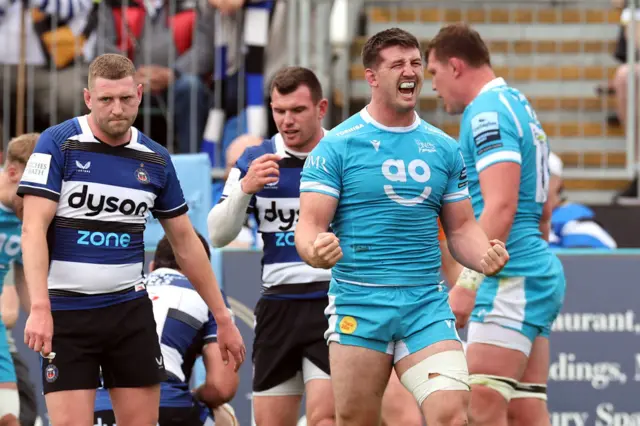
<point x="103" y="137"/>
<point x="389" y="117"/>
<point x="477" y="81"/>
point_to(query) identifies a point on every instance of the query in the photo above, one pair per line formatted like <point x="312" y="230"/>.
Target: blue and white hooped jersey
<point x="501" y="126"/>
<point x="10" y="248"/>
<point x="184" y="325"/>
<point x="104" y="195"/>
<point x="276" y="209"/>
<point x="391" y="184"/>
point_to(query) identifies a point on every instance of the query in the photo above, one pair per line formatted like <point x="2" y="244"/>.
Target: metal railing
<point x="36" y="93"/>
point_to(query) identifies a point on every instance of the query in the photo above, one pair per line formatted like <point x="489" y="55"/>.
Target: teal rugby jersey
<point x="501" y="126"/>
<point x="390" y="184"/>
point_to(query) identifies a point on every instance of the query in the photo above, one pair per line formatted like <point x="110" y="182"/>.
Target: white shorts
<point x="296" y="384"/>
<point x="497" y="335"/>
<point x="9" y="402"/>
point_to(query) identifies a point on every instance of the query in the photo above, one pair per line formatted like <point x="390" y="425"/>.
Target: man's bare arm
<point x="500" y="186"/>
<point x="545" y="221"/>
<point x="466" y="240"/>
<point x="316" y="213"/>
<point x="9" y="309"/>
<point x="450" y="268"/>
<point x="14" y="296"/>
<point x="221" y="382"/>
<point x="21" y="286"/>
<point x="38" y="214"/>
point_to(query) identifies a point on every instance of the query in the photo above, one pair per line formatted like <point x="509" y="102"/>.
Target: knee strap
<point x="9" y="403"/>
<point x="503" y="385"/>
<point x="530" y="390"/>
<point x="451" y="370"/>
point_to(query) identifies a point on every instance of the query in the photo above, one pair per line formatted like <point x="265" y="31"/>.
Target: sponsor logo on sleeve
<point x="485" y="127"/>
<point x="37" y="169"/>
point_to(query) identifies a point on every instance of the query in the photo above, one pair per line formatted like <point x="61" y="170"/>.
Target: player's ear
<point x="322" y="108"/>
<point x="139" y="90"/>
<point x="87" y="98"/>
<point x="13" y="172"/>
<point x="370" y="76"/>
<point x="456" y="65"/>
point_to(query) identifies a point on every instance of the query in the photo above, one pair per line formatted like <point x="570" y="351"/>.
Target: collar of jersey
<point x="86" y="131"/>
<point x="5" y="208"/>
<point x="496" y="82"/>
<point x="282" y="150"/>
<point x="367" y="118"/>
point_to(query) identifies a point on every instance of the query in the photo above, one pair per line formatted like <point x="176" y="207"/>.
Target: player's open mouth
<point x="407" y="87"/>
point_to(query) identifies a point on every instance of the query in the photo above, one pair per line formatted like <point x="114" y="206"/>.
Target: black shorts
<point x="169" y="416"/>
<point x="286" y="332"/>
<point x="120" y="339"/>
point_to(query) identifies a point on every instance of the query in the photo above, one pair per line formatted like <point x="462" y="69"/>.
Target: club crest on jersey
<point x="142" y="175"/>
<point x="272" y="184"/>
<point x="51" y="373"/>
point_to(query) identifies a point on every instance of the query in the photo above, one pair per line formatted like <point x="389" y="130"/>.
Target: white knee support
<point x="530" y="390"/>
<point x="503" y="385"/>
<point x="9" y="402"/>
<point x="451" y="370"/>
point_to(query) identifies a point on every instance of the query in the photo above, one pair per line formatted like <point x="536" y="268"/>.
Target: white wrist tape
<point x="470" y="279"/>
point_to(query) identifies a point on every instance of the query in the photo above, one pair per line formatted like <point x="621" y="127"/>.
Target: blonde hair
<point x="21" y="147"/>
<point x="110" y="66"/>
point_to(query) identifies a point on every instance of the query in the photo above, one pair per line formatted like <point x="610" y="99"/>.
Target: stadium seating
<point x="557" y="55"/>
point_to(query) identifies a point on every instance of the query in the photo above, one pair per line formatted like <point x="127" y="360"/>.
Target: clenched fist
<point x="326" y="250"/>
<point x="263" y="171"/>
<point x="494" y="259"/>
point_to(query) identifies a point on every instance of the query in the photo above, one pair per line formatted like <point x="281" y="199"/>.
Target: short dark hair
<point x="288" y="79"/>
<point x="384" y="39"/>
<point x="110" y="66"/>
<point x="460" y="41"/>
<point x="165" y="258"/>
